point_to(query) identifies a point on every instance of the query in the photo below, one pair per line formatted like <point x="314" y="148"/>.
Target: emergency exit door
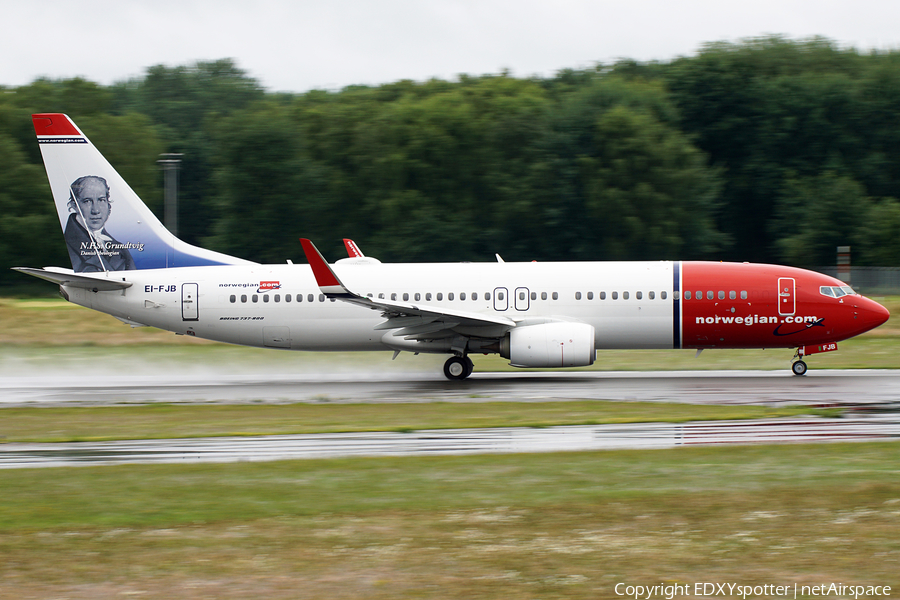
<point x="189" y="293"/>
<point x="787" y="301"/>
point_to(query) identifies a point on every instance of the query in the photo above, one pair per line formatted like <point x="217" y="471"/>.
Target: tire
<point x="799" y="368"/>
<point x="457" y="368"/>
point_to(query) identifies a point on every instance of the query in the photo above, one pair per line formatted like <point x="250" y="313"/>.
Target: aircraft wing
<point x="96" y="283"/>
<point x="414" y="321"/>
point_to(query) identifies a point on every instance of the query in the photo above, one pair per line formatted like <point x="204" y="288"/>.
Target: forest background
<point x="768" y="150"/>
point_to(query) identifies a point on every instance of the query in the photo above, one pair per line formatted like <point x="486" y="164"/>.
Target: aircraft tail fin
<point x="106" y="225"/>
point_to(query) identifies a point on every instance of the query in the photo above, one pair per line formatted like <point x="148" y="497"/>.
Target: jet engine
<point x="550" y="345"/>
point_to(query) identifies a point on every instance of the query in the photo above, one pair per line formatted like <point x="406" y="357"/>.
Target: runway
<point x="823" y="387"/>
<point x="453" y="441"/>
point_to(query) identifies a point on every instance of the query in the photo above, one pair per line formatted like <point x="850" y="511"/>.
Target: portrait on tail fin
<point x="90" y="245"/>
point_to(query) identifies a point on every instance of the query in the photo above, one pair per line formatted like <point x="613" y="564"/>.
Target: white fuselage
<point x="281" y="306"/>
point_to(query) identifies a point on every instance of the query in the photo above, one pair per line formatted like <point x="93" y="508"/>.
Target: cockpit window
<point x="836" y="291"/>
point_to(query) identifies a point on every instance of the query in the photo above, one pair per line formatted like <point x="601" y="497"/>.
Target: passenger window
<point x="555" y="296"/>
<point x="521" y="295"/>
<point x="299" y="297"/>
<point x="534" y="295"/>
<point x="233" y="298"/>
<point x="487" y="295"/>
<point x="615" y="295"/>
<point x="638" y="295"/>
<point x="687" y="294"/>
<point x="543" y="295"/>
<point x="653" y="295"/>
<point x="381" y="296"/>
<point x="462" y="296"/>
<point x="393" y="295"/>
<point x="243" y="297"/>
<point x="254" y="298"/>
<point x="578" y="295"/>
<point x="440" y="296"/>
<point x="450" y="296"/>
<point x="743" y="294"/>
<point x="266" y="298"/>
<point x="732" y="295"/>
<point x="662" y="295"/>
<point x="405" y="296"/>
<point x="287" y="297"/>
<point x="310" y="297"/>
<point x="624" y="295"/>
<point x="590" y="295"/>
<point x="427" y="296"/>
<point x="417" y="297"/>
<point x="499" y="296"/>
<point x="721" y="295"/>
<point x="603" y="295"/>
<point x="710" y="295"/>
<point x="474" y="295"/>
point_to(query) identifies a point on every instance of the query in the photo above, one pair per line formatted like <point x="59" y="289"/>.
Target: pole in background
<point x="170" y="164"/>
<point x="843" y="263"/>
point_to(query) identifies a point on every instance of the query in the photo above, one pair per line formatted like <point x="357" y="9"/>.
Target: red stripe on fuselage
<point x="806" y="316"/>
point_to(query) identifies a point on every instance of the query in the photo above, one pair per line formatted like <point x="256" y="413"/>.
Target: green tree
<point x="30" y="232"/>
<point x="268" y="192"/>
<point x="649" y="191"/>
<point x="816" y="214"/>
<point x="878" y="236"/>
<point x="186" y="103"/>
<point x="762" y="109"/>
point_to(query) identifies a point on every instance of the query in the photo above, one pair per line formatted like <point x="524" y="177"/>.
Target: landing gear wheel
<point x="799" y="368"/>
<point x="457" y="368"/>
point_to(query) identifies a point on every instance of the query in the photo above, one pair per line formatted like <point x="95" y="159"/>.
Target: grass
<point x="163" y="421"/>
<point x="568" y="525"/>
<point x="563" y="525"/>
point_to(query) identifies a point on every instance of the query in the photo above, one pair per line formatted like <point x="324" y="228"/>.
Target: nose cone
<point x="872" y="314"/>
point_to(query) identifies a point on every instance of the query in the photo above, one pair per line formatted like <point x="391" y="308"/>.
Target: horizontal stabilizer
<point x="99" y="283"/>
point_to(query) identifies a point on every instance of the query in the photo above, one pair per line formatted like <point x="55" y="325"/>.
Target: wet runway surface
<point x="875" y="396"/>
<point x="454" y="441"/>
<point x="847" y="387"/>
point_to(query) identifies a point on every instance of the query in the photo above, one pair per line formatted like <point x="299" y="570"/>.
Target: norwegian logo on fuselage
<point x="264" y="286"/>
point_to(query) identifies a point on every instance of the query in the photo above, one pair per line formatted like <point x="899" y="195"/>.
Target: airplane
<point x="534" y="314"/>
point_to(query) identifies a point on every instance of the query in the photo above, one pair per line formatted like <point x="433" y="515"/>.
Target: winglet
<point x="353" y="250"/>
<point x="328" y="282"/>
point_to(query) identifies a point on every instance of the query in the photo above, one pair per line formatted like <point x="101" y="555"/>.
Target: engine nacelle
<point x="550" y="345"/>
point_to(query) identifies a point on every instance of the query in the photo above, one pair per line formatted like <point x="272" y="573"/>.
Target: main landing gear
<point x="458" y="368"/>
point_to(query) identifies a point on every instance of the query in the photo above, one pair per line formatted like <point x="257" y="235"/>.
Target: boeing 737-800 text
<point x="537" y="314"/>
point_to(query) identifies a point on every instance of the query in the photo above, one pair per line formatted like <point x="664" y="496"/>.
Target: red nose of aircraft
<point x="871" y="314"/>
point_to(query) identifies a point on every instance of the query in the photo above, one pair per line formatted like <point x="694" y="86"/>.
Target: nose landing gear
<point x="458" y="368"/>
<point x="798" y="367"/>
